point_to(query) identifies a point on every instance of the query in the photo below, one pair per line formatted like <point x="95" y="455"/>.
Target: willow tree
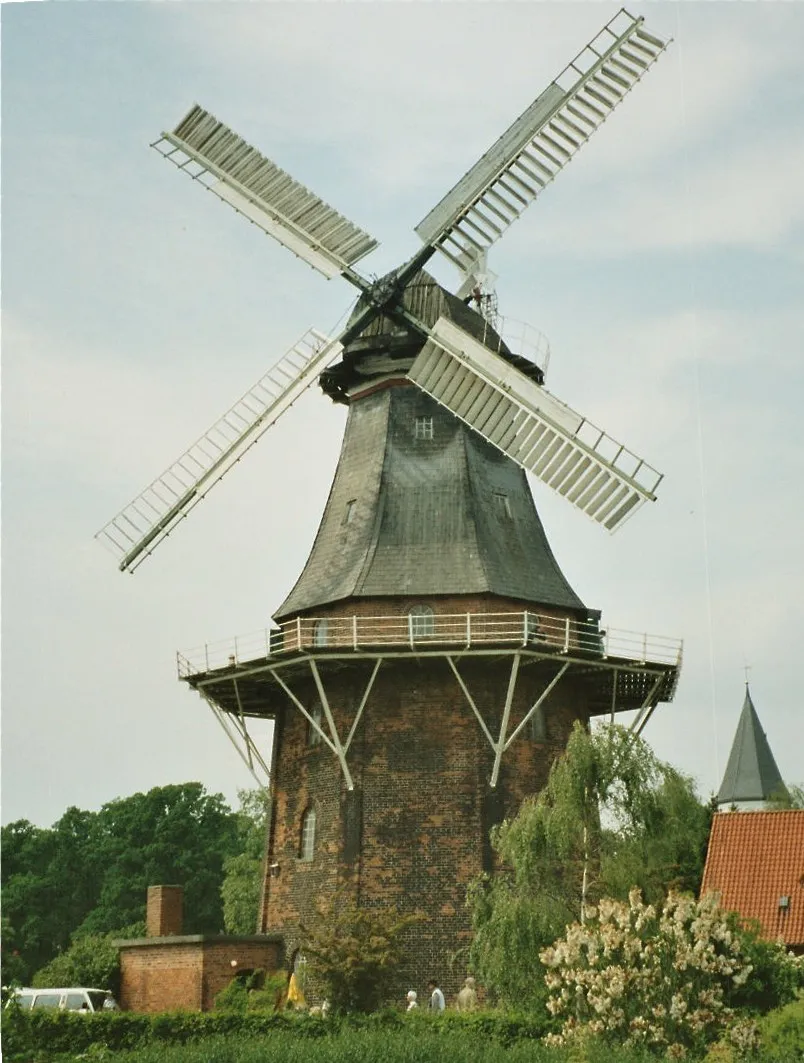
<point x="612" y="816"/>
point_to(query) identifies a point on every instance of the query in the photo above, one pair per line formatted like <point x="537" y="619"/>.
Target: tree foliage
<point x="243" y="872"/>
<point x="640" y="976"/>
<point x="92" y="960"/>
<point x="666" y="977"/>
<point x="89" y="873"/>
<point x="790" y="797"/>
<point x="354" y="952"/>
<point x="611" y="817"/>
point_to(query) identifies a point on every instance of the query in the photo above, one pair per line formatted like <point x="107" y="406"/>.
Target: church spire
<point x="751" y="774"/>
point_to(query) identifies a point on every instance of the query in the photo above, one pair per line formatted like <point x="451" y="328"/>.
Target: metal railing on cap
<point x="429" y="633"/>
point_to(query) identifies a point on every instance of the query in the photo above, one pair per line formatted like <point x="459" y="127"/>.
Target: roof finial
<point x="747" y="669"/>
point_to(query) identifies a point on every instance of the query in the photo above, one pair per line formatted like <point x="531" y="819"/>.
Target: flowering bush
<point x="646" y="977"/>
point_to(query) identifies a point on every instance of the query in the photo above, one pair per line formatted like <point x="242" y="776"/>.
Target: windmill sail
<point x="533" y="427"/>
<point x="224" y="163"/>
<point x="137" y="530"/>
<point x="526" y="158"/>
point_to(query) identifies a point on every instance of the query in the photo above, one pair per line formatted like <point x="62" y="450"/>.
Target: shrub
<point x="258" y="992"/>
<point x="635" y="976"/>
<point x="781" y="1032"/>
<point x="355" y="952"/>
<point x="91" y="960"/>
<point x="776" y="974"/>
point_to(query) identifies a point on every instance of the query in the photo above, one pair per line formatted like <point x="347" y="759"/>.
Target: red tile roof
<point x="755" y="858"/>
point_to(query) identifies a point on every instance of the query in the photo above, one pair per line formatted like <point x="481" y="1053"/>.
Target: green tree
<point x="49" y="883"/>
<point x="92" y="960"/>
<point x="243" y="873"/>
<point x="666" y="850"/>
<point x="89" y="873"/>
<point x="176" y="834"/>
<point x="791" y="797"/>
<point x="611" y="817"/>
<point x="354" y="952"/>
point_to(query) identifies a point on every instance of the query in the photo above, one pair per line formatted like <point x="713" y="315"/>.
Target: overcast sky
<point x="664" y="265"/>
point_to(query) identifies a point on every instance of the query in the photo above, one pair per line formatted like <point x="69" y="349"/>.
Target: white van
<point x="65" y="999"/>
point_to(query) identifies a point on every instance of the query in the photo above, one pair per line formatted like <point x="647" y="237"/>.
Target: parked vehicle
<point x="71" y="999"/>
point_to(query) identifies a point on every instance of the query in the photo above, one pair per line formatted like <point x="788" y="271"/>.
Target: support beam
<point x="315" y="726"/>
<point x="536" y="705"/>
<point x="500" y="746"/>
<point x="242" y="719"/>
<point x="470" y="699"/>
<point x="646" y="711"/>
<point x="614" y="694"/>
<point x="340" y="752"/>
<point x="230" y="724"/>
<point x="362" y="704"/>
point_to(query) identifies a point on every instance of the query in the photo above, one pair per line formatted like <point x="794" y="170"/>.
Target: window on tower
<point x="423" y="428"/>
<point x="503" y="504"/>
<point x="349" y="512"/>
<point x="421" y="621"/>
<point x="307" y="843"/>
<point x="314" y="726"/>
<point x="538" y="725"/>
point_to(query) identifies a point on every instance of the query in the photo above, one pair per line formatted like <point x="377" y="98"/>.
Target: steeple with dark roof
<point x="751" y="773"/>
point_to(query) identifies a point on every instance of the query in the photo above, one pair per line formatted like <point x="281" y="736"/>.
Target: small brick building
<point x="169" y="970"/>
<point x="428" y="664"/>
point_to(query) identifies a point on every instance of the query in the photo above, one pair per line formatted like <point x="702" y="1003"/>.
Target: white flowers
<point x="640" y="977"/>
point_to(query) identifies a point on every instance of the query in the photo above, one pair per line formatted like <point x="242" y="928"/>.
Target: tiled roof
<point x="754" y="859"/>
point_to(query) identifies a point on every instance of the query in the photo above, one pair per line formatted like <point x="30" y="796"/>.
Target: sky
<point x="664" y="265"/>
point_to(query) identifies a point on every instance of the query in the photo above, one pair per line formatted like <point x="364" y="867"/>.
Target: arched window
<point x="307" y="843"/>
<point x="299" y="964"/>
<point x="320" y="632"/>
<point x="538" y="725"/>
<point x="314" y="733"/>
<point x="421" y="621"/>
<point x="533" y="631"/>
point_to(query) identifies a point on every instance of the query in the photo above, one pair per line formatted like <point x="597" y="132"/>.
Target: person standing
<point x="467" y="998"/>
<point x="436" y="996"/>
<point x="412" y="999"/>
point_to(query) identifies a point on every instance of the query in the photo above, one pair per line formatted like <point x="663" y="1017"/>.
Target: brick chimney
<point x="164" y="911"/>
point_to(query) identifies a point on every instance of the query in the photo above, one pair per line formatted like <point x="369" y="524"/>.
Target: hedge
<point x="60" y="1032"/>
<point x="382" y="1037"/>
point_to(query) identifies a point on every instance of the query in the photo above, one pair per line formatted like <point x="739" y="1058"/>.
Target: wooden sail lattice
<point x="537" y="146"/>
<point x="542" y="434"/>
<point x="142" y="524"/>
<point x="224" y="163"/>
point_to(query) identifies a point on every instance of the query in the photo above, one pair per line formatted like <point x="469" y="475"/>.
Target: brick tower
<point x="428" y="664"/>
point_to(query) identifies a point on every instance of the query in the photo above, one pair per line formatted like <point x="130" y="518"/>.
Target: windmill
<point x="431" y="659"/>
<point x="478" y="382"/>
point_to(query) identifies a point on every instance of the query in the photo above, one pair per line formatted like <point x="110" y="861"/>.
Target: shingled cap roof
<point x="442" y="514"/>
<point x="755" y="863"/>
<point x="436" y="512"/>
<point x="751" y="773"/>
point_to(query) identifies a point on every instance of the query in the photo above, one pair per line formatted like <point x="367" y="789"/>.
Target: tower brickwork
<point x="414" y="832"/>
